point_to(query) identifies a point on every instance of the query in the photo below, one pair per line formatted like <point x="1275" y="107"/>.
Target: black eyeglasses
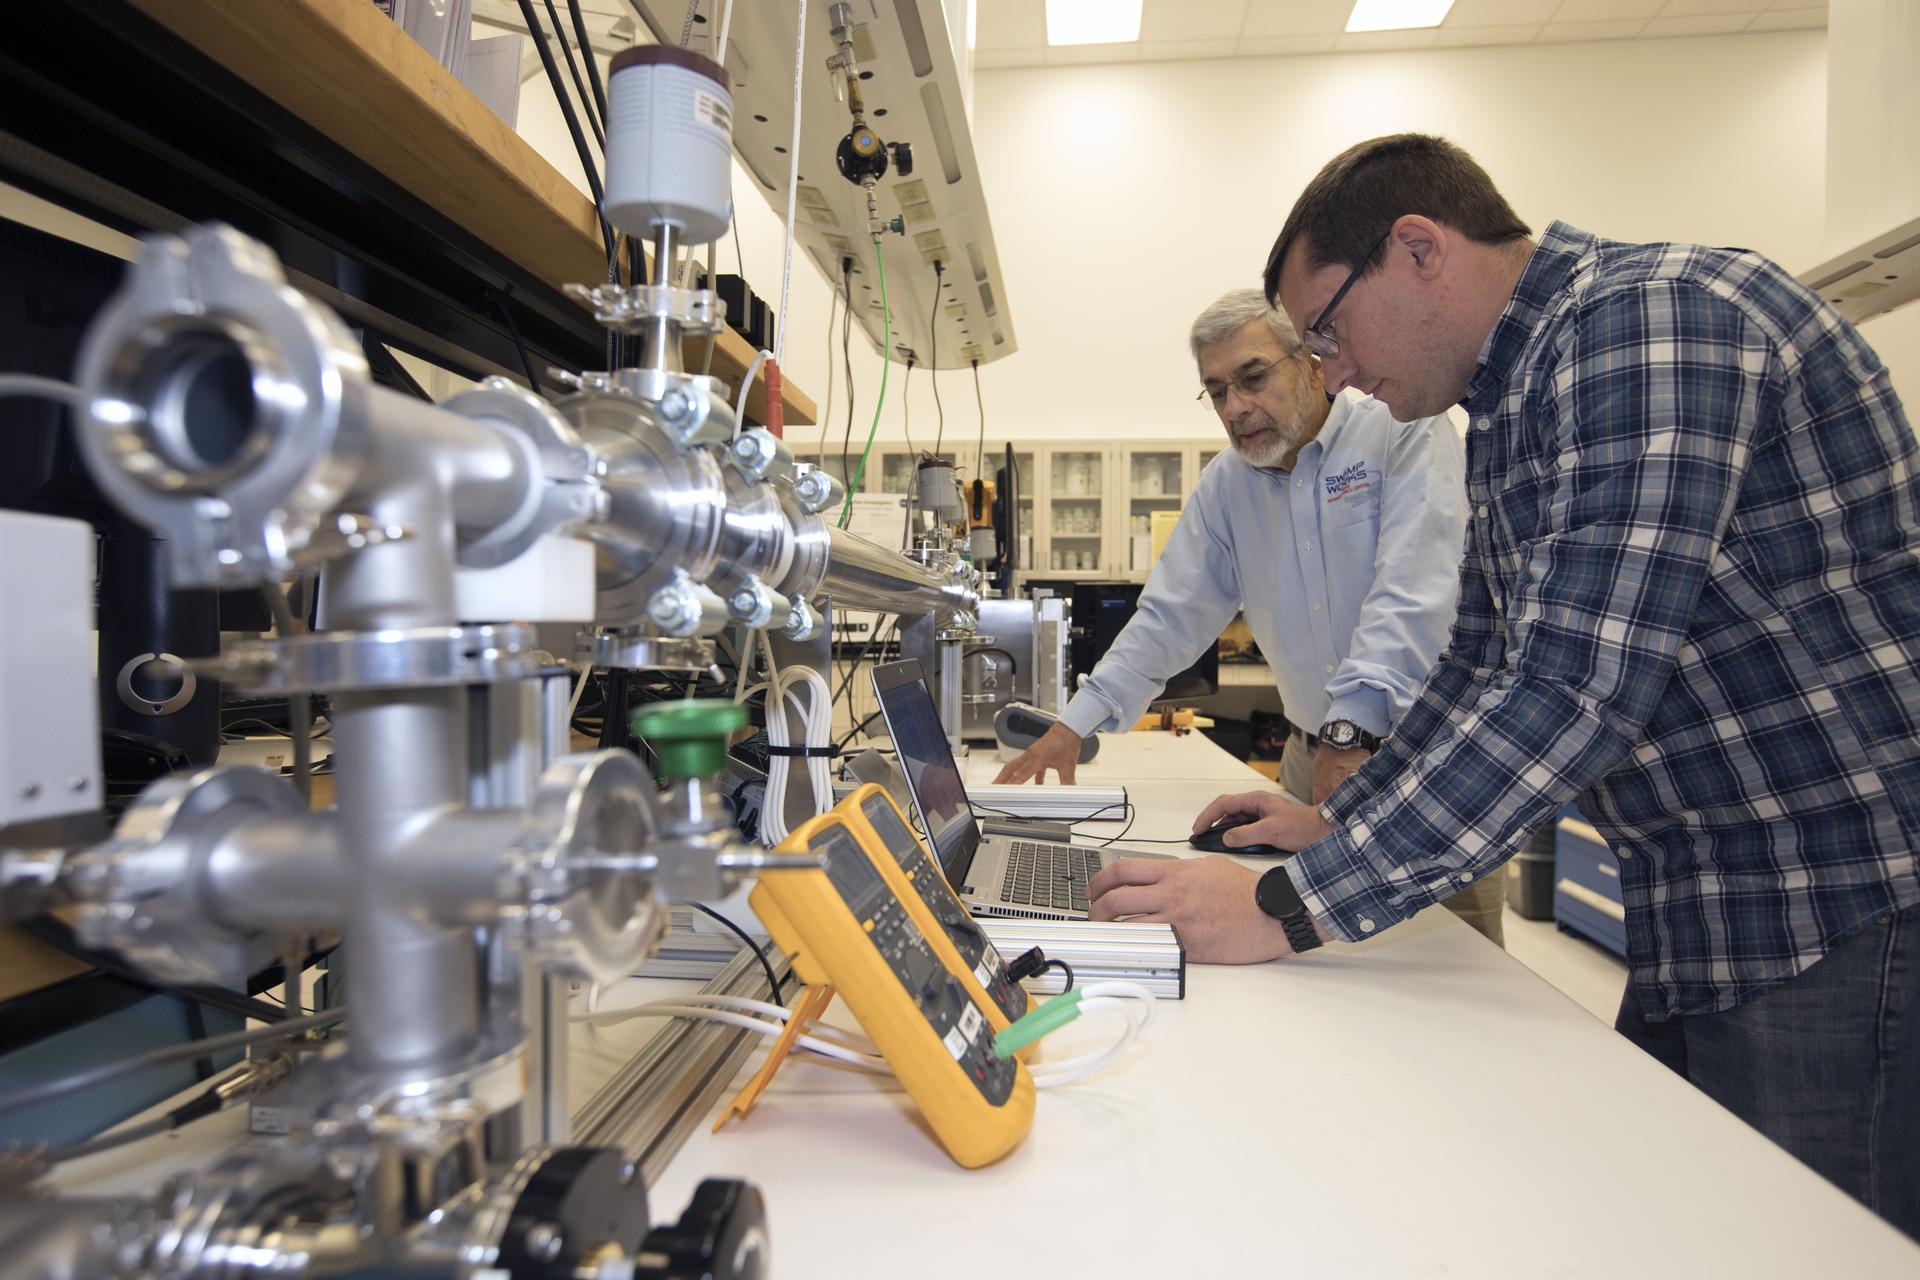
<point x="1250" y="384"/>
<point x="1319" y="337"/>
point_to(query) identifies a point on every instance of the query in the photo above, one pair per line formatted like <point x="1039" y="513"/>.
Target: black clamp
<point x="804" y="753"/>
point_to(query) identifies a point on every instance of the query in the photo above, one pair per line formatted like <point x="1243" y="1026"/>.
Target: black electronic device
<point x="1006" y="523"/>
<point x="1101" y="610"/>
<point x="1214" y="840"/>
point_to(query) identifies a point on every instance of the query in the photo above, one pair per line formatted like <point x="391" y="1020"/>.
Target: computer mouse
<point x="1213" y="840"/>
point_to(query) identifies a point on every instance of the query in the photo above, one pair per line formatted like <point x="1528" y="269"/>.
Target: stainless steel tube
<point x="401" y="764"/>
<point x="283" y="871"/>
<point x="866" y="575"/>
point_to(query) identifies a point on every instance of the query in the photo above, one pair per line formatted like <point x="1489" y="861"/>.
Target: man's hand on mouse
<point x="1208" y="901"/>
<point x="1264" y="817"/>
<point x="1057" y="749"/>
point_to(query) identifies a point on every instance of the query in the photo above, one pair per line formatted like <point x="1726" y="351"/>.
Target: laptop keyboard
<point x="1048" y="875"/>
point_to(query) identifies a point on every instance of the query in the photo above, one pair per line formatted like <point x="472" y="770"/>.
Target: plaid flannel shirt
<point x="1691" y="601"/>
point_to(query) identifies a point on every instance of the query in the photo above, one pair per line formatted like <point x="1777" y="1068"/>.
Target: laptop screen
<point x="927" y="761"/>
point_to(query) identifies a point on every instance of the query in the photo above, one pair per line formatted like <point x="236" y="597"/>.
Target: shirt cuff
<point x="1365" y="706"/>
<point x="1086" y="714"/>
<point x="1340" y="890"/>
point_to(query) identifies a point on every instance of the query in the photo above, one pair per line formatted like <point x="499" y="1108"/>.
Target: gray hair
<point x="1232" y="313"/>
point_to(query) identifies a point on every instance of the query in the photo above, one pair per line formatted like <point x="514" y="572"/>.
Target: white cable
<point x="580" y="687"/>
<point x="793" y="179"/>
<point x="726" y="25"/>
<point x="816" y="716"/>
<point x="746" y="385"/>
<point x="834" y="1046"/>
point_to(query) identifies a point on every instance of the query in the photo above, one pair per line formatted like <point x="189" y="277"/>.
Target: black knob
<point x="902" y="158"/>
<point x="722" y="1235"/>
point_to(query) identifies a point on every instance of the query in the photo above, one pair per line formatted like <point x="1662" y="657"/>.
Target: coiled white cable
<point x="816" y="714"/>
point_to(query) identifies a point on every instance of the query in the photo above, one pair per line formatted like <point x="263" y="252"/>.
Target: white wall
<point x="1125" y="198"/>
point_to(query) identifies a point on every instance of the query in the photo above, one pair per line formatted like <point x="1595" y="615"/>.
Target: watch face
<point x="1341" y="733"/>
<point x="1275" y="894"/>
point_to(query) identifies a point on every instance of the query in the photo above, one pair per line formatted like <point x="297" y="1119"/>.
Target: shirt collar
<point x="1549" y="267"/>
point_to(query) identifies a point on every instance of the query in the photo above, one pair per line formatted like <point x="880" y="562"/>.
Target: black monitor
<point x="1101" y="609"/>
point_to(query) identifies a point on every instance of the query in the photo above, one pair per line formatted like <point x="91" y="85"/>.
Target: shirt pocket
<point x="1356" y="505"/>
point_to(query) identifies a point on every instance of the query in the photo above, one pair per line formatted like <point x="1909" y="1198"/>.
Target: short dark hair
<point x="1361" y="191"/>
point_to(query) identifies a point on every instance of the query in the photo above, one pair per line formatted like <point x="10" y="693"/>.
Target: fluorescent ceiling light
<point x="1094" y="21"/>
<point x="1395" y="15"/>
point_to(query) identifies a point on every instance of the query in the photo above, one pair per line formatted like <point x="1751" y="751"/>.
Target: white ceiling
<point x="1013" y="33"/>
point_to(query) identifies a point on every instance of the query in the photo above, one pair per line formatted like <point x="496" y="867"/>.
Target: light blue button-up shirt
<point x="1348" y="567"/>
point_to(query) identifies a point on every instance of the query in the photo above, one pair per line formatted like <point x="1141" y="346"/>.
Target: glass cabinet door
<point x="896" y="471"/>
<point x="1156" y="480"/>
<point x="1076" y="513"/>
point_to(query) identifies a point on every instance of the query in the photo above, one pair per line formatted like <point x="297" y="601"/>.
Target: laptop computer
<point x="995" y="875"/>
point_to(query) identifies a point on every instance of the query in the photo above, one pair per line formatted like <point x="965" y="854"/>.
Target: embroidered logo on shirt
<point x="1347" y="484"/>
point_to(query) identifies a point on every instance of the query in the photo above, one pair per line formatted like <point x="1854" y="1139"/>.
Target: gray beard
<point x="1270" y="453"/>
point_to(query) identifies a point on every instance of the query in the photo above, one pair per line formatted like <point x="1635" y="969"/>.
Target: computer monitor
<point x="1102" y="609"/>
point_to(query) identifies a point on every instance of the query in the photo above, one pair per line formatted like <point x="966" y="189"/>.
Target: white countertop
<point x="1420" y="1104"/>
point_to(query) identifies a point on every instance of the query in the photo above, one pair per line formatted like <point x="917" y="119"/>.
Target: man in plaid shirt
<point x="1690" y="600"/>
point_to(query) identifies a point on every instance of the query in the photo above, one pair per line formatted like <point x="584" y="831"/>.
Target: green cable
<point x="886" y="362"/>
<point x="1049" y="1017"/>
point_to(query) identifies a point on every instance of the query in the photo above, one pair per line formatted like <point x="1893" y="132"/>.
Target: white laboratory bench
<point x="1418" y="1105"/>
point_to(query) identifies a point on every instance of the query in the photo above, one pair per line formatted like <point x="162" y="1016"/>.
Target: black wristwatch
<point x="1343" y="734"/>
<point x="1278" y="898"/>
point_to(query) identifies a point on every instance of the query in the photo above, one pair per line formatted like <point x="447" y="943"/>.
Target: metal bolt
<point x="77" y="782"/>
<point x="675" y="405"/>
<point x="31" y="790"/>
<point x="628" y="1172"/>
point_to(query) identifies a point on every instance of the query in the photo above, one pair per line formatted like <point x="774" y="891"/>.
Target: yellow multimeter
<point x="943" y="905"/>
<point x="858" y="924"/>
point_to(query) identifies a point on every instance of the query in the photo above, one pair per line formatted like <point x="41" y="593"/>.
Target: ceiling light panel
<point x="1396" y="15"/>
<point x="1093" y="21"/>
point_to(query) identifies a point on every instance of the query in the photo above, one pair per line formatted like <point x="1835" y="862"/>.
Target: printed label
<point x="267" y="1120"/>
<point x="1346" y="485"/>
<point x="713" y="112"/>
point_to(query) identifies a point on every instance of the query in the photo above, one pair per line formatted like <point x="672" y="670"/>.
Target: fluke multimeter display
<point x="931" y="886"/>
<point x="861" y="925"/>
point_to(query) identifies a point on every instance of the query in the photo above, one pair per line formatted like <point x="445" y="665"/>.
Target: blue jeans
<point x="1827" y="1063"/>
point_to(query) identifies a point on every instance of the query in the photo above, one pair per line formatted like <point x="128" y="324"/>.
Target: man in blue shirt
<point x="1337" y="530"/>
<point x="1690" y="599"/>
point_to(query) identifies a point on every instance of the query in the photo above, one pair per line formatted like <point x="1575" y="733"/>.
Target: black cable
<point x="586" y="56"/>
<point x="164" y="1057"/>
<point x="573" y="69"/>
<point x="980" y="446"/>
<point x="906" y="405"/>
<point x="1132" y="813"/>
<point x="865" y="648"/>
<point x="573" y="121"/>
<point x="383" y="361"/>
<point x="933" y="364"/>
<point x="300" y="704"/>
<point x="855" y="731"/>
<point x="513" y="328"/>
<point x="1063" y="967"/>
<point x="57" y="934"/>
<point x="846" y="355"/>
<point x="759" y="951"/>
<point x="994" y="648"/>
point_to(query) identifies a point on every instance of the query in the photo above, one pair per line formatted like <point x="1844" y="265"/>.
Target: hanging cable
<point x="686" y="28"/>
<point x="726" y="26"/>
<point x="565" y="100"/>
<point x="906" y="407"/>
<point x="980" y="445"/>
<point x="846" y="355"/>
<point x="34" y="386"/>
<point x="579" y="85"/>
<point x="933" y="365"/>
<point x="586" y="55"/>
<point x="886" y="363"/>
<point x="793" y="179"/>
<point x="826" y="414"/>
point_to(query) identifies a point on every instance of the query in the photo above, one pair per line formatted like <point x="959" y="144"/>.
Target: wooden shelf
<point x="346" y="69"/>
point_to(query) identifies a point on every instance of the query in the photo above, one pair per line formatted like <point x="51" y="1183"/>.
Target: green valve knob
<point x="690" y="738"/>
